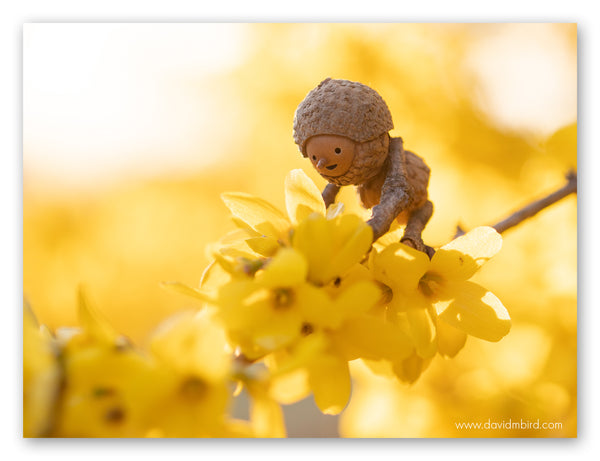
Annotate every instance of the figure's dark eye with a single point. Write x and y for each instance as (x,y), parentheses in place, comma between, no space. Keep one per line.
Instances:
(314,157)
(338,150)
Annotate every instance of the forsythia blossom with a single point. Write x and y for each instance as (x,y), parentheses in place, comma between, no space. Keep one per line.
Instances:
(433,299)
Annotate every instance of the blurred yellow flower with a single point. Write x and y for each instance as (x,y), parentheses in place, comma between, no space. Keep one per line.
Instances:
(266,415)
(103,395)
(105,381)
(189,394)
(41,376)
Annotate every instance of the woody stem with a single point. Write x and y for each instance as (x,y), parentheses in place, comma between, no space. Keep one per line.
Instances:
(535,207)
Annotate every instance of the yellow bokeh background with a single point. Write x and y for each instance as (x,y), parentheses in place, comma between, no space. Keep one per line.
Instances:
(123,238)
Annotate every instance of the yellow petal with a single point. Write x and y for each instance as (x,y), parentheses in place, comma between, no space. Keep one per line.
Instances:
(225,263)
(184,406)
(320,310)
(282,328)
(357,273)
(475,311)
(302,197)
(213,277)
(380,367)
(302,353)
(332,247)
(372,338)
(259,214)
(461,258)
(93,322)
(237,235)
(244,227)
(41,377)
(290,387)
(237,251)
(409,369)
(192,343)
(265,246)
(334,210)
(352,240)
(316,306)
(287,268)
(188,291)
(265,413)
(422,330)
(391,237)
(355,300)
(450,340)
(314,239)
(399,267)
(329,379)
(240,340)
(242,305)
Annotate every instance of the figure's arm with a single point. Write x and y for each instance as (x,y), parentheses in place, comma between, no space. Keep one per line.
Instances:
(395,192)
(329,193)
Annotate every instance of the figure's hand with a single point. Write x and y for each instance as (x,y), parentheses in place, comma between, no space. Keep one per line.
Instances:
(394,200)
(419,245)
(329,194)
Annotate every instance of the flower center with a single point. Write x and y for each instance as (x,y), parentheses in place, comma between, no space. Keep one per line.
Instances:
(193,388)
(430,284)
(306,329)
(100,392)
(283,297)
(114,415)
(251,266)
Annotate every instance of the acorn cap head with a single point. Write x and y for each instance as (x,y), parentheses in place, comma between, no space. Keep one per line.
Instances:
(343,108)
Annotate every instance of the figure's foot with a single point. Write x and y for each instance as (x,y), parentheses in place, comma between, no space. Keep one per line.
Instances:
(418,245)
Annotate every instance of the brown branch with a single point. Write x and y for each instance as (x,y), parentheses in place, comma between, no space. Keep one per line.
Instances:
(534,208)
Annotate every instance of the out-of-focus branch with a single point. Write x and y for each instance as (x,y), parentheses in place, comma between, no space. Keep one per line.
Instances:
(534,208)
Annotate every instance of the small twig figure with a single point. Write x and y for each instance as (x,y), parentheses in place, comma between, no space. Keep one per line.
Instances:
(342,127)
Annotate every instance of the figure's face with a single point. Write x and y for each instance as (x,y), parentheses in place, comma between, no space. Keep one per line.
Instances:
(331,155)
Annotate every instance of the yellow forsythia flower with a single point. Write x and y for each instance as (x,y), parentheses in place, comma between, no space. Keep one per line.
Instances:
(435,301)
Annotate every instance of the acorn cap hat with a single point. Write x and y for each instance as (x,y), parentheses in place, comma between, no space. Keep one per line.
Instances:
(343,108)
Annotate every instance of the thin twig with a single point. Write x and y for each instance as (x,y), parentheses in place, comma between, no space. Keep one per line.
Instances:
(534,208)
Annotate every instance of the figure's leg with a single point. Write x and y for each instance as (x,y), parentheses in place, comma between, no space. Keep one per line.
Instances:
(414,228)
